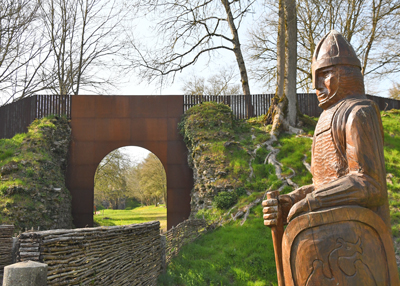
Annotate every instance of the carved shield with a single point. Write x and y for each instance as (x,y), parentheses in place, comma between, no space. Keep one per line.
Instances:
(339,246)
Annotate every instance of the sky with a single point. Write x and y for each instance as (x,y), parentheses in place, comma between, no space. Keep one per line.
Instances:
(135,153)
(224,59)
(204,68)
(134,86)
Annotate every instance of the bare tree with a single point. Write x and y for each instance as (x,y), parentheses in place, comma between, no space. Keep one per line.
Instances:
(369,25)
(20,46)
(61,46)
(291,58)
(85,37)
(217,84)
(395,91)
(189,30)
(283,111)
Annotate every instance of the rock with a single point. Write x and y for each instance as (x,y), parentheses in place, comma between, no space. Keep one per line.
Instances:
(221,174)
(231,143)
(9,168)
(389,178)
(239,214)
(27,273)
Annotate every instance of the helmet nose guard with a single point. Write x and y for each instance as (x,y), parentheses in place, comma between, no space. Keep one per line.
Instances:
(332,50)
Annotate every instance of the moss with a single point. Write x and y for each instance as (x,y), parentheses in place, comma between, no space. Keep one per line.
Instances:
(309,123)
(32,165)
(220,153)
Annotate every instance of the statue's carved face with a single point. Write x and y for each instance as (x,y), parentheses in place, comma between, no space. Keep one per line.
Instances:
(326,84)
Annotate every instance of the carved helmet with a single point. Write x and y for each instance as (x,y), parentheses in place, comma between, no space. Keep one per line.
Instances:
(333,50)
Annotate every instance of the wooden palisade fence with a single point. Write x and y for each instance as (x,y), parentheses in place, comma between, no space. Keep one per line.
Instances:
(17,116)
(308,103)
(6,241)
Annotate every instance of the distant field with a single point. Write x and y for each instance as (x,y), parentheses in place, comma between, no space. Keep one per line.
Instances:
(136,215)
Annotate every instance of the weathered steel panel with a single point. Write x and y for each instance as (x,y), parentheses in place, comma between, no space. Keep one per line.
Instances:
(101,124)
(112,129)
(149,106)
(175,147)
(112,107)
(178,206)
(83,152)
(83,128)
(79,177)
(156,129)
(175,106)
(172,129)
(84,106)
(180,177)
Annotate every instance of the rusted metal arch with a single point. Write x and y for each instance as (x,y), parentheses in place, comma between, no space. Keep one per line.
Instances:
(101,124)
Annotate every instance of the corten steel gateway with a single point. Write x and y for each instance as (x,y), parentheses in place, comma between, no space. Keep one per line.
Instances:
(101,124)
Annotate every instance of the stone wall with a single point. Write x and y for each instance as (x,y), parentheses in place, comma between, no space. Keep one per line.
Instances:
(33,191)
(114,255)
(184,233)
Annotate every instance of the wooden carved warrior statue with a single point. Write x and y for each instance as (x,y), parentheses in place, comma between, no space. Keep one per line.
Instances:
(338,229)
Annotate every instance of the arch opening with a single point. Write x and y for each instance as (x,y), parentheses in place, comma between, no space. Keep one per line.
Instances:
(130,186)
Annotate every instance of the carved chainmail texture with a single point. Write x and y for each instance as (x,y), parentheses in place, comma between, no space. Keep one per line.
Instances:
(326,164)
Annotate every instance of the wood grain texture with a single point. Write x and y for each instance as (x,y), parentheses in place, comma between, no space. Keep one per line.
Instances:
(277,233)
(347,245)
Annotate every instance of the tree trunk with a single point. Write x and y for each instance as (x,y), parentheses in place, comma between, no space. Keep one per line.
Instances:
(239,57)
(276,111)
(280,54)
(290,87)
(282,113)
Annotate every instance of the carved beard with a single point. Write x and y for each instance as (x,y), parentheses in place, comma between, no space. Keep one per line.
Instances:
(350,82)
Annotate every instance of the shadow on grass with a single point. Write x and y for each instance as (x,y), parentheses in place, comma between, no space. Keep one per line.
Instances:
(232,255)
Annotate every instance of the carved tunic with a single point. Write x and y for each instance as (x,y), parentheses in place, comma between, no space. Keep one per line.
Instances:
(326,164)
(347,163)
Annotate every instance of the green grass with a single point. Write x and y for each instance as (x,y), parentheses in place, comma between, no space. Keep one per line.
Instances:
(292,152)
(231,255)
(391,126)
(136,215)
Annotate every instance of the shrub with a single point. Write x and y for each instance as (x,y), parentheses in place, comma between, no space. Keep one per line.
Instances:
(240,191)
(225,200)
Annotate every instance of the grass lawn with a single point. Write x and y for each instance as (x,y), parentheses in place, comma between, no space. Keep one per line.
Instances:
(230,255)
(136,215)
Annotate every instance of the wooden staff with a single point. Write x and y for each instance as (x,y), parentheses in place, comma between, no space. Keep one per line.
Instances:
(277,234)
